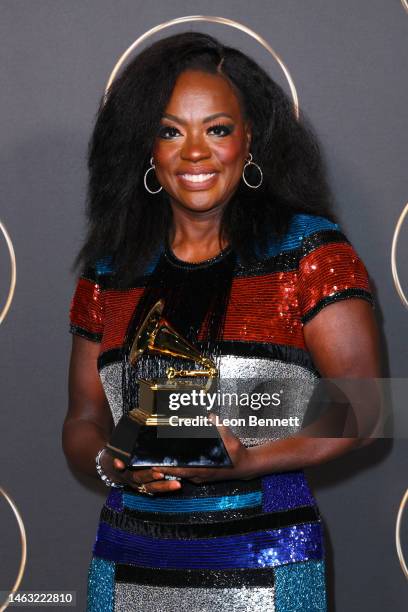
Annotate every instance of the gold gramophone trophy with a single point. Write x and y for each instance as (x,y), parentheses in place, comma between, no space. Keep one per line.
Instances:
(146,437)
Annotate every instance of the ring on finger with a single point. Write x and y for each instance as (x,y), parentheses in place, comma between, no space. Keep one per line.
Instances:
(142,489)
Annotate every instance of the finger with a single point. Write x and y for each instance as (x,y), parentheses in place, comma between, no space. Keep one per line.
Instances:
(159,470)
(201,475)
(162,486)
(144,476)
(193,474)
(179,472)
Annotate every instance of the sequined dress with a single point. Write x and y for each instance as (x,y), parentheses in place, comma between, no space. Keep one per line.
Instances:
(232,545)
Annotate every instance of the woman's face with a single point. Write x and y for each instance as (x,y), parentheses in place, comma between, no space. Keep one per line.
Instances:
(202,142)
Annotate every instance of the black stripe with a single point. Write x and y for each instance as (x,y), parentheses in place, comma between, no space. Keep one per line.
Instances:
(288,261)
(282,352)
(320,238)
(340,295)
(108,357)
(194,578)
(183,531)
(192,517)
(80,331)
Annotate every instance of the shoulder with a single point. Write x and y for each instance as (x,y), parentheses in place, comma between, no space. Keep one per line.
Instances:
(304,230)
(304,225)
(284,253)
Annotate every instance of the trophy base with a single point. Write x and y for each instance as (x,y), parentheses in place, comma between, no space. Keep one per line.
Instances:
(140,446)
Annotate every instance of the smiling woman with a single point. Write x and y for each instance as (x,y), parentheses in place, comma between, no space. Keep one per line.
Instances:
(260,279)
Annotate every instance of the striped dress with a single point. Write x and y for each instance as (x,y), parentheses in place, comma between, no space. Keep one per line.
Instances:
(233,545)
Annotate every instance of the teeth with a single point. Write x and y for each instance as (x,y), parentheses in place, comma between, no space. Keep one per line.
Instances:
(198,178)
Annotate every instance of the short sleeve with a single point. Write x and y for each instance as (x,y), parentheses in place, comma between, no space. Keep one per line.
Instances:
(87,311)
(329,270)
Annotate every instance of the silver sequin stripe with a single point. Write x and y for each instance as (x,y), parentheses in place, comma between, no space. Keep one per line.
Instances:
(111,377)
(143,598)
(254,375)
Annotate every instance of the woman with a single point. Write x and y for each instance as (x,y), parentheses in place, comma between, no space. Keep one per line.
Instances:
(206,191)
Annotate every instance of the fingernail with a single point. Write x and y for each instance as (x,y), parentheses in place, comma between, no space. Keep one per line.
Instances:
(158,475)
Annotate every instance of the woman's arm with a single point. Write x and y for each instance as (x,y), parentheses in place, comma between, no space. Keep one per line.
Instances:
(343,342)
(88,423)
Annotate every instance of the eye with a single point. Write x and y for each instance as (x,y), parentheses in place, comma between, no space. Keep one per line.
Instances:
(220,129)
(167,132)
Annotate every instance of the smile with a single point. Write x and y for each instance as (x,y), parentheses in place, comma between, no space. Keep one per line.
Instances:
(197,178)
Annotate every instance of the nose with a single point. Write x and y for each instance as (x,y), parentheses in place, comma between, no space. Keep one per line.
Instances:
(195,148)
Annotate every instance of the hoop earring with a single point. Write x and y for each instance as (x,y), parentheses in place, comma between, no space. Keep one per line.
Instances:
(152,167)
(249,162)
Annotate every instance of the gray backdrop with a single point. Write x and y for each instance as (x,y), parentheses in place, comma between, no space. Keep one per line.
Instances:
(349,62)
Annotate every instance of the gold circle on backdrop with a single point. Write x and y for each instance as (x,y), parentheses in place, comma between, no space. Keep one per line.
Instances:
(23,539)
(400,554)
(211,19)
(12,286)
(394,270)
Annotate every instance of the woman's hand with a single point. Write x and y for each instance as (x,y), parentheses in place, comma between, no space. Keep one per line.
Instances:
(238,453)
(154,481)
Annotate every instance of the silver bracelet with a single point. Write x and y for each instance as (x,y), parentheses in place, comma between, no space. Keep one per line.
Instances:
(105,479)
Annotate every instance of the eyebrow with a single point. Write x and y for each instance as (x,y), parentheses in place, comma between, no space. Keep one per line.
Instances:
(205,120)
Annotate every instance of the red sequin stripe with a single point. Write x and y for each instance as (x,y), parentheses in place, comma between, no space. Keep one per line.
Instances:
(86,309)
(119,307)
(265,309)
(261,309)
(328,270)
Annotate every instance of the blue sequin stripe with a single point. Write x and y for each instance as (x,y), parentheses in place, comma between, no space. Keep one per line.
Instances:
(300,586)
(204,504)
(101,585)
(286,490)
(301,225)
(104,265)
(268,548)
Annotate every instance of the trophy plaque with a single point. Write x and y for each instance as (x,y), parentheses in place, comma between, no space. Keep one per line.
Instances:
(143,438)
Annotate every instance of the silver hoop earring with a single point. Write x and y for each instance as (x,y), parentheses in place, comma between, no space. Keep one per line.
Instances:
(152,167)
(249,162)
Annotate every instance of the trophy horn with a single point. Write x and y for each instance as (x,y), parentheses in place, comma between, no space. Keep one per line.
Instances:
(146,332)
(157,336)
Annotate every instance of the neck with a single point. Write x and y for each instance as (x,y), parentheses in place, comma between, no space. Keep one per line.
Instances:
(195,236)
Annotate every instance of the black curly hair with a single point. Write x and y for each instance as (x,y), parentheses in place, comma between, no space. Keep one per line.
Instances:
(128,224)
